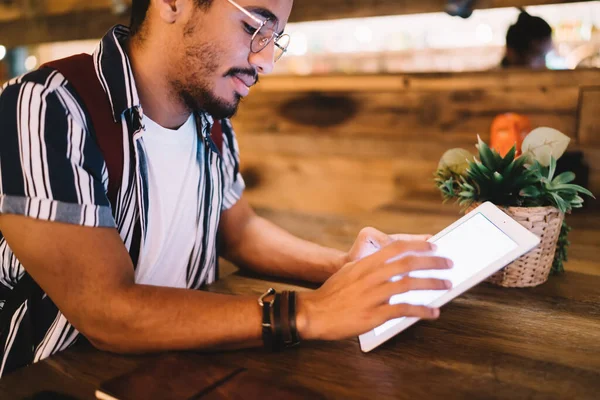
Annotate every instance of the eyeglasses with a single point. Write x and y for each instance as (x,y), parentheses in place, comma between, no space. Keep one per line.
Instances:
(266,31)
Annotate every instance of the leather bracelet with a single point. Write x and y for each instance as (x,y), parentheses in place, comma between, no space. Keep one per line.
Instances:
(279,320)
(267,333)
(276,323)
(286,334)
(292,316)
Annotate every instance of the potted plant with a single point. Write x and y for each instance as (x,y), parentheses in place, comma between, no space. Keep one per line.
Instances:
(525,187)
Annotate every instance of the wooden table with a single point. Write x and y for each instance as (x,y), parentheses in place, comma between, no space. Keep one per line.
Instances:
(491,342)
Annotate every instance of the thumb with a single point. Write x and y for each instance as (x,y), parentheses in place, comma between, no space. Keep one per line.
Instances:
(376,237)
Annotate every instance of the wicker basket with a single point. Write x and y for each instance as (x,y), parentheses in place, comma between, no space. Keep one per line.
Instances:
(533,268)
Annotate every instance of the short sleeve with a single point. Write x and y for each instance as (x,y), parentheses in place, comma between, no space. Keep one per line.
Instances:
(233,182)
(50,166)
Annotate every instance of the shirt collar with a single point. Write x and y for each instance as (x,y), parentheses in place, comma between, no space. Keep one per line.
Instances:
(116,76)
(114,71)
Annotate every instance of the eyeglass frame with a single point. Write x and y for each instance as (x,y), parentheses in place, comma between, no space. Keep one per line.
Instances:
(274,37)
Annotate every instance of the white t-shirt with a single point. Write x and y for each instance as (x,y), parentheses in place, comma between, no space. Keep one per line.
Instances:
(173,176)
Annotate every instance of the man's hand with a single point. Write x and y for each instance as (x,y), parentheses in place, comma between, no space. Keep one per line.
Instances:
(356,298)
(370,240)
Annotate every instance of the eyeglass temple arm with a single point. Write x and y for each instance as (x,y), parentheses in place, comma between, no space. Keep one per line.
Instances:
(278,45)
(242,9)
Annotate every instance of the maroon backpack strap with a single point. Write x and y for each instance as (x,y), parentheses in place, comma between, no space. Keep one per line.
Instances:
(79,70)
(216,134)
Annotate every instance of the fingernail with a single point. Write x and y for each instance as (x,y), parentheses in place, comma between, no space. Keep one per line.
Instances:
(449,263)
(433,246)
(448,284)
(435,312)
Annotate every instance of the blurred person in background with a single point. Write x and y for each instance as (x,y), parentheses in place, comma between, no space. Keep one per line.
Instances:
(528,41)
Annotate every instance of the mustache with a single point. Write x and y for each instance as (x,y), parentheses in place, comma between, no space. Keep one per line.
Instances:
(244,71)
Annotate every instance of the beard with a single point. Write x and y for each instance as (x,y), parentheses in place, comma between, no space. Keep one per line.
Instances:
(198,97)
(194,90)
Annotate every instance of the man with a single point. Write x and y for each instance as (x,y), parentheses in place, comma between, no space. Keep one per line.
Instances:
(121,275)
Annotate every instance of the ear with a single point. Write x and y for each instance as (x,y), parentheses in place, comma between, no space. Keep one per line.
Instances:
(170,10)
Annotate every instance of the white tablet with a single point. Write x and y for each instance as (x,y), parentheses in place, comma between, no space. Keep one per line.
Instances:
(479,244)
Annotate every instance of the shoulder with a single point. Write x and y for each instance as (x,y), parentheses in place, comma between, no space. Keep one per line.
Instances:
(43,78)
(36,89)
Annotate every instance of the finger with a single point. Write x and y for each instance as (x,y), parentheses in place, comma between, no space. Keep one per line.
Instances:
(398,249)
(391,311)
(407,284)
(405,265)
(409,237)
(389,254)
(376,237)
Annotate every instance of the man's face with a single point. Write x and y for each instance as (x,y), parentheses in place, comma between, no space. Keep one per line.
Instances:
(211,66)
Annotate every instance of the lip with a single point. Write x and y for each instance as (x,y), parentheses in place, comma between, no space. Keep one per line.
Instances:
(240,86)
(249,81)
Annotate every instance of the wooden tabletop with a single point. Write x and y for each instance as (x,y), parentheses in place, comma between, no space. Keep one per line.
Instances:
(491,342)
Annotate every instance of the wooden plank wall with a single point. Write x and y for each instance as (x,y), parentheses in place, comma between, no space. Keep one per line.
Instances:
(332,9)
(306,10)
(367,145)
(25,22)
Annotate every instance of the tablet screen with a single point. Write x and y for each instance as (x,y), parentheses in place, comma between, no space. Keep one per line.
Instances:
(472,246)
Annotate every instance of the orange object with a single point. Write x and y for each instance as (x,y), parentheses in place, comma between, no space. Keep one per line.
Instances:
(508,129)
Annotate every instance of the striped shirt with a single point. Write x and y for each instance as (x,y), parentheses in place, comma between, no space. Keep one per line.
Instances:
(52,169)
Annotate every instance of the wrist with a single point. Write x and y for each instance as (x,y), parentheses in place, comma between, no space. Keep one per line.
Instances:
(340,259)
(304,316)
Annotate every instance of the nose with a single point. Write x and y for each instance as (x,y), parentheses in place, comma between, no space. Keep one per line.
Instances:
(264,60)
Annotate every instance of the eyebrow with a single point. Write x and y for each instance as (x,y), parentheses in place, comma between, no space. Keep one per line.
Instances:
(263,12)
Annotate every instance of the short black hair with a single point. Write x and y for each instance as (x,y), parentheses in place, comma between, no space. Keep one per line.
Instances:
(139,8)
(527,30)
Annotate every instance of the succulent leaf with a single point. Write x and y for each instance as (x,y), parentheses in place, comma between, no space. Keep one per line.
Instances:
(565,177)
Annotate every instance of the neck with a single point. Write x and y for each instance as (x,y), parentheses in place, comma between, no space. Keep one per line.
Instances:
(159,101)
